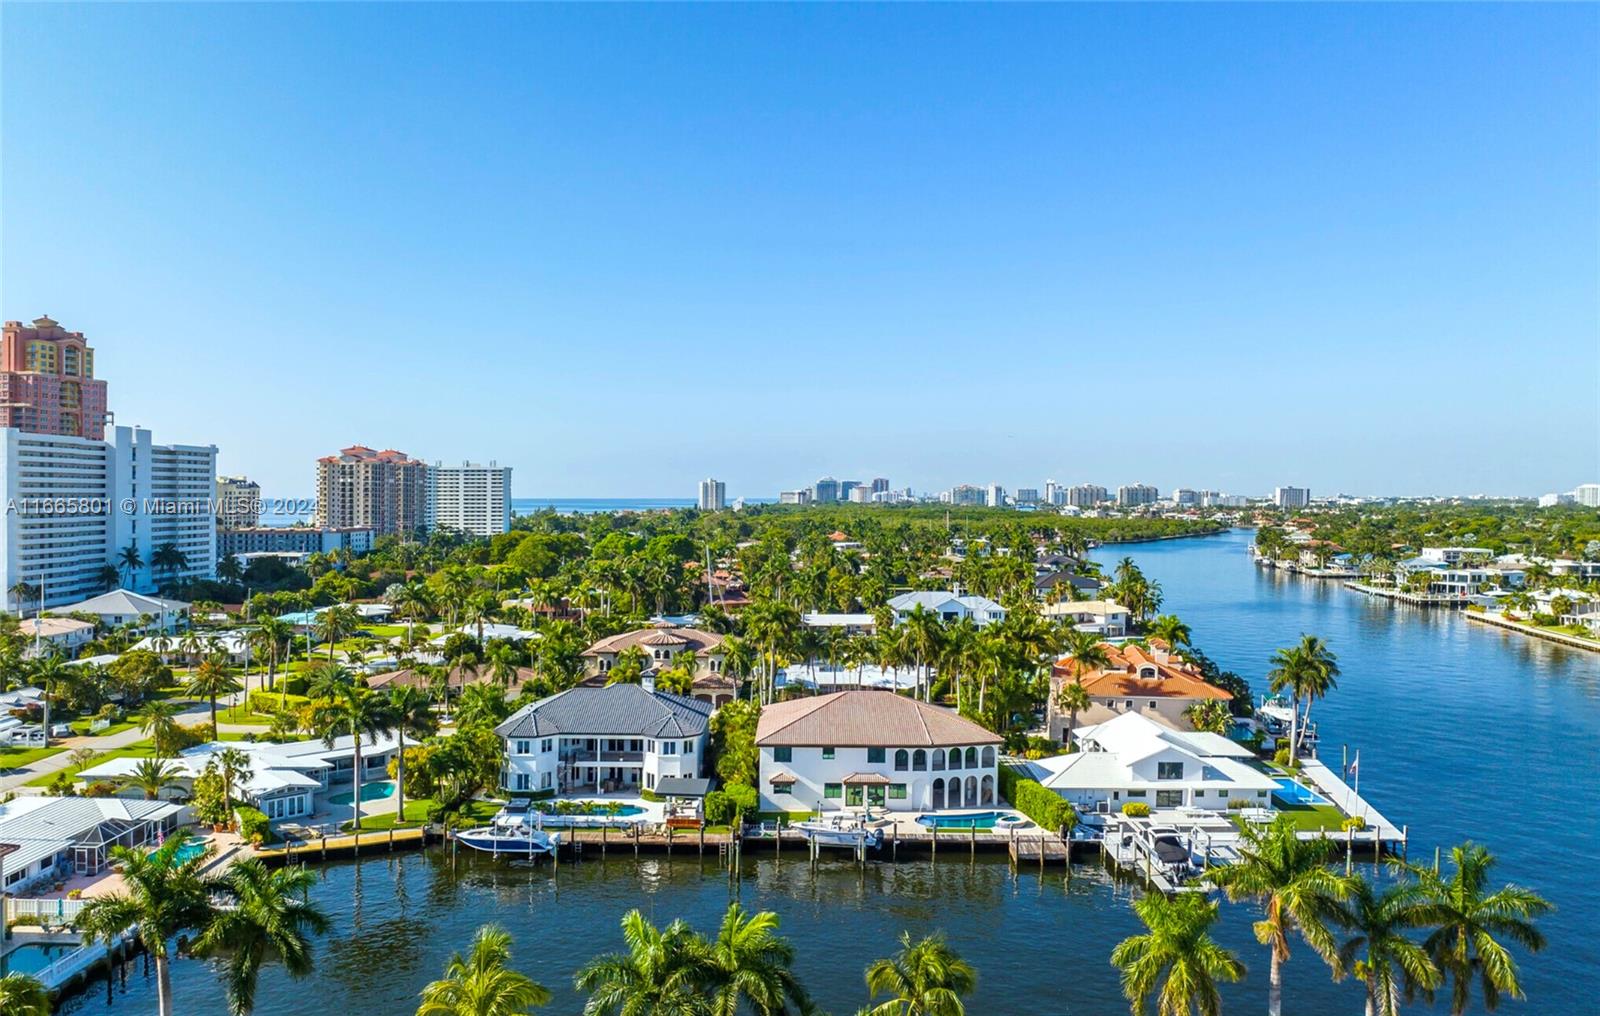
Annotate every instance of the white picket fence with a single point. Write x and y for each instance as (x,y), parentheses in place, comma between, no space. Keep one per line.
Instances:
(58,911)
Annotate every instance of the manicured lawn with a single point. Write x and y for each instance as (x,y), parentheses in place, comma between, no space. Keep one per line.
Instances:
(417,814)
(789,817)
(82,727)
(242,714)
(16,758)
(1312,817)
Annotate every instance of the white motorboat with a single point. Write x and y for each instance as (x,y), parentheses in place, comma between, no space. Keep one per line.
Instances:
(839,832)
(515,830)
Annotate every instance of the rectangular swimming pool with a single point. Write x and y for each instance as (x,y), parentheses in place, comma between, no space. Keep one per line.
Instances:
(1291,792)
(32,957)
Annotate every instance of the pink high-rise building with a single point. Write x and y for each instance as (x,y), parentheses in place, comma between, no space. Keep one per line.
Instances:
(47,382)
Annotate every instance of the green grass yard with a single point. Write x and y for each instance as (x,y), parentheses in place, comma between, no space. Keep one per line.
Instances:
(16,758)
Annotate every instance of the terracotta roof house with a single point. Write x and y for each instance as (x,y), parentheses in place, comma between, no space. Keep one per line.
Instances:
(873,749)
(1154,682)
(662,644)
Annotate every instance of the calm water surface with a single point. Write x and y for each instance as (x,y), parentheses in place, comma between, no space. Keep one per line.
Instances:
(1463,731)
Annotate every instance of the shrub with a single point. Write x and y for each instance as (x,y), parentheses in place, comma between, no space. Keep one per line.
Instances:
(743,796)
(1045,807)
(1238,803)
(1545,620)
(651,796)
(269,702)
(1355,822)
(718,808)
(100,788)
(1136,809)
(1282,757)
(254,825)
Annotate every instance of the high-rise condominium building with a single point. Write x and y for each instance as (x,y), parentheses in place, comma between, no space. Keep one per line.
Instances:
(713,495)
(1588,494)
(1027,495)
(880,485)
(966,494)
(359,488)
(995,496)
(1086,495)
(1185,497)
(1054,490)
(825,490)
(93,514)
(801,496)
(1135,494)
(47,382)
(1290,498)
(859,495)
(238,502)
(469,498)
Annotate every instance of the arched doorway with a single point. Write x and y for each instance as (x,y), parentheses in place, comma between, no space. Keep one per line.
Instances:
(938,795)
(988,790)
(954,798)
(972,791)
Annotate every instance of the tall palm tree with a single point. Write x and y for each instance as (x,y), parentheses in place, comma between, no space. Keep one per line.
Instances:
(920,635)
(410,712)
(129,561)
(659,975)
(108,575)
(270,917)
(1072,699)
(1176,959)
(1083,652)
(170,559)
(1171,629)
(335,624)
(1389,963)
(482,983)
(357,711)
(924,978)
(22,995)
(212,678)
(750,966)
(1473,923)
(1297,890)
(271,639)
(160,724)
(232,765)
(1307,671)
(23,593)
(161,898)
(152,776)
(50,673)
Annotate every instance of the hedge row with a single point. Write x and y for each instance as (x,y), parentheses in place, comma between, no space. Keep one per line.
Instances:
(275,702)
(1045,807)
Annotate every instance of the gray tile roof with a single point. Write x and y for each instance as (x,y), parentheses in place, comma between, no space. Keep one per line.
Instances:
(618,710)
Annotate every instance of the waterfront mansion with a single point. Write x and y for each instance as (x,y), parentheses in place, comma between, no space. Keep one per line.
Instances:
(876,749)
(1153,682)
(618,738)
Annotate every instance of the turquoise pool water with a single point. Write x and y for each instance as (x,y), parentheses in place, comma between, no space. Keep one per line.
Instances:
(591,808)
(1296,793)
(369,792)
(968,820)
(31,958)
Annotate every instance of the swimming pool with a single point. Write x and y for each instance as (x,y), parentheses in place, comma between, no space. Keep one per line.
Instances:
(189,851)
(369,792)
(970,820)
(1296,793)
(32,958)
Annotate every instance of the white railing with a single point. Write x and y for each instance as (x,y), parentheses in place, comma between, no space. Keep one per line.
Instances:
(63,969)
(65,911)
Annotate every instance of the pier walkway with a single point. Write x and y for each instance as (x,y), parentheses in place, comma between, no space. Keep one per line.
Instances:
(1340,794)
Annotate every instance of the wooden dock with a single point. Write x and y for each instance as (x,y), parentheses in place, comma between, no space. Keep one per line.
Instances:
(1040,850)
(349,845)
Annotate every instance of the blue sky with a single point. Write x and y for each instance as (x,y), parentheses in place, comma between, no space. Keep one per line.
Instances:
(622,248)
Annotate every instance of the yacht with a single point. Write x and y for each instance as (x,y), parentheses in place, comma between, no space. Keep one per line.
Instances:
(840,831)
(515,829)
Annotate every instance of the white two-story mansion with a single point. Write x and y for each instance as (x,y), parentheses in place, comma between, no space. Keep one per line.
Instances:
(947,607)
(876,749)
(1133,758)
(615,738)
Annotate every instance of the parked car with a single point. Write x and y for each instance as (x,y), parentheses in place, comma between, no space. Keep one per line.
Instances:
(60,730)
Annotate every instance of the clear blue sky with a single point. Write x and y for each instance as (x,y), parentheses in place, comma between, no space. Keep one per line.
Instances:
(622,248)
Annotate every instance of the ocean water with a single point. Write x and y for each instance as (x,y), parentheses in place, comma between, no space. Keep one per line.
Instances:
(1464,731)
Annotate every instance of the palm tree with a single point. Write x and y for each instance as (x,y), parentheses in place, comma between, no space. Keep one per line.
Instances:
(410,712)
(212,678)
(482,983)
(232,763)
(229,569)
(919,637)
(21,995)
(109,576)
(1388,962)
(1307,671)
(1472,922)
(1171,629)
(271,639)
(750,964)
(271,917)
(659,974)
(924,978)
(1298,892)
(170,559)
(23,593)
(161,898)
(153,775)
(1176,960)
(50,673)
(360,712)
(1210,715)
(335,623)
(1072,699)
(160,723)
(410,600)
(129,561)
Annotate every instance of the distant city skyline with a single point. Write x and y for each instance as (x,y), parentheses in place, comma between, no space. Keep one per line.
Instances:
(624,248)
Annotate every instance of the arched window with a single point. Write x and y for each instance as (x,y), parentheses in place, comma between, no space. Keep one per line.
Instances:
(902,758)
(988,758)
(953,799)
(938,794)
(919,761)
(972,790)
(988,790)
(972,758)
(955,758)
(938,761)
